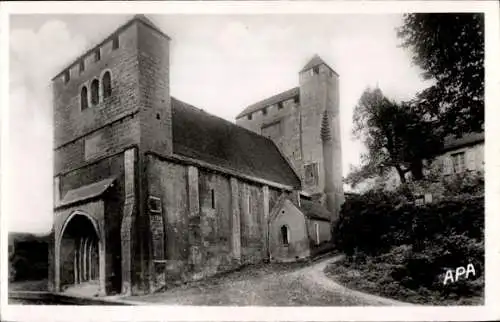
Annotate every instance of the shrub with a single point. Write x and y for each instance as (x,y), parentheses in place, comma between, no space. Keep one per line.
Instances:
(415,244)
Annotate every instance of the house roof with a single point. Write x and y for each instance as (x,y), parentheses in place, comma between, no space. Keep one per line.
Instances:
(283,96)
(314,210)
(316,61)
(202,136)
(451,143)
(86,192)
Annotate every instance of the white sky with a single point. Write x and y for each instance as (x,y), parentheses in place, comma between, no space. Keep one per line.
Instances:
(219,63)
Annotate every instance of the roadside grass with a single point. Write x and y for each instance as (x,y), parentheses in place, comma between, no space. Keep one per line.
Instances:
(376,279)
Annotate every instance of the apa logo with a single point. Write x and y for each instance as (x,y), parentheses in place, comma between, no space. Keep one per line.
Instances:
(459,271)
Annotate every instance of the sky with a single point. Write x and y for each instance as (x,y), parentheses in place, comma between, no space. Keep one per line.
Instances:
(220,63)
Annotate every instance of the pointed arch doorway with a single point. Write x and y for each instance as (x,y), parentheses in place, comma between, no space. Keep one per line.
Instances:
(79,256)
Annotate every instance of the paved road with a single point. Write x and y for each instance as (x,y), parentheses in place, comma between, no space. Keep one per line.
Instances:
(301,286)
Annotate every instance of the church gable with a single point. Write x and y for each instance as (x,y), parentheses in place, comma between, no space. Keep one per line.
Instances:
(288,240)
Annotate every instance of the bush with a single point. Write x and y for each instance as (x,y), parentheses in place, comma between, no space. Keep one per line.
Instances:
(415,244)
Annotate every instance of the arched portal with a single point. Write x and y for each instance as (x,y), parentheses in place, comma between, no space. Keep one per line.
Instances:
(79,254)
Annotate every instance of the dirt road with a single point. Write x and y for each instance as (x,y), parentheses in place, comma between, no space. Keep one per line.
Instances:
(263,287)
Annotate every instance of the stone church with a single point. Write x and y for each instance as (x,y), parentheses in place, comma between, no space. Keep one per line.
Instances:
(150,190)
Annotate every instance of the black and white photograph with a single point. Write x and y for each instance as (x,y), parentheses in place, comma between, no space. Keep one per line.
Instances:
(237,158)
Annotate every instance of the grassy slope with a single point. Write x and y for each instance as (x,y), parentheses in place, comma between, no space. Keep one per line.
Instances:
(377,280)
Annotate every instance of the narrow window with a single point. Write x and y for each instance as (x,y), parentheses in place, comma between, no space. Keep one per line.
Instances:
(458,160)
(97,54)
(296,99)
(94,91)
(106,85)
(82,66)
(316,70)
(316,226)
(84,103)
(66,76)
(311,174)
(116,42)
(249,116)
(264,111)
(213,198)
(284,235)
(280,105)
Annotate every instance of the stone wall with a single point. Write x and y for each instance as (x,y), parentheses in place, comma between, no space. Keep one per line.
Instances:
(212,222)
(72,124)
(298,241)
(154,91)
(324,231)
(281,123)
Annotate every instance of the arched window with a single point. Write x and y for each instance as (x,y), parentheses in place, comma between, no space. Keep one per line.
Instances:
(94,91)
(84,100)
(284,235)
(106,85)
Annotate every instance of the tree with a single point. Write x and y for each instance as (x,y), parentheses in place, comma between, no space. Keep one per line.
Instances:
(449,47)
(395,135)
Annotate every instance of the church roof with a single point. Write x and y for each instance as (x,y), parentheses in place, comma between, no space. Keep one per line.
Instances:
(283,96)
(86,192)
(314,210)
(316,61)
(200,135)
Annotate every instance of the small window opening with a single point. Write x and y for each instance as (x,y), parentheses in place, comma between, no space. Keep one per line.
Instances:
(157,116)
(285,238)
(296,99)
(264,111)
(280,105)
(84,103)
(97,54)
(106,85)
(316,70)
(316,226)
(154,204)
(249,116)
(212,192)
(82,66)
(94,91)
(116,42)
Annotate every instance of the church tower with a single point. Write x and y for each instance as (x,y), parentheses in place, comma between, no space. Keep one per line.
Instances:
(304,123)
(320,133)
(111,106)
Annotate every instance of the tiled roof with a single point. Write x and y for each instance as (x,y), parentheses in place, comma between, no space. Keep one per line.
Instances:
(202,136)
(86,192)
(283,96)
(314,210)
(451,143)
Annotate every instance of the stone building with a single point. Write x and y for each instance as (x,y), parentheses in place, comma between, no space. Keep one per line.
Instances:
(304,123)
(150,190)
(458,156)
